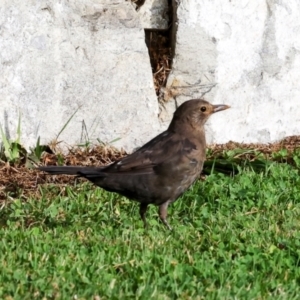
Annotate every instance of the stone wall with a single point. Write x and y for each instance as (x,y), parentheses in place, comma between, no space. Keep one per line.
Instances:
(59,57)
(245,53)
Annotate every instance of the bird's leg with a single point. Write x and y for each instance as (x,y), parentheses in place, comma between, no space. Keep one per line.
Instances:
(143,210)
(163,213)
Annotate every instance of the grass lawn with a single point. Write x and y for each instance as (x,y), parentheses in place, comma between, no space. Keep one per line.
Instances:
(234,238)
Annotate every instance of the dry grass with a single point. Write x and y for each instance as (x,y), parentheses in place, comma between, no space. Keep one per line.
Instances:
(290,143)
(19,181)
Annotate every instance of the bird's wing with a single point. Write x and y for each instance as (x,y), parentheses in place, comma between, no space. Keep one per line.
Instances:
(163,149)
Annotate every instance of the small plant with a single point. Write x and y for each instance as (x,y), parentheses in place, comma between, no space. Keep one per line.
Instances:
(109,143)
(66,124)
(85,133)
(53,144)
(35,155)
(296,158)
(86,145)
(12,151)
(38,150)
(60,159)
(280,156)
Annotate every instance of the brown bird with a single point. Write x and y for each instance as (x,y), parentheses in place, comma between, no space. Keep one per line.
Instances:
(163,169)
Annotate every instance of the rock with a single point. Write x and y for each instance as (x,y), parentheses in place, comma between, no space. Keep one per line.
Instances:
(85,59)
(242,53)
(154,14)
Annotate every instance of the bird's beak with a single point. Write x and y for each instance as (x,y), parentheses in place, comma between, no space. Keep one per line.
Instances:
(219,107)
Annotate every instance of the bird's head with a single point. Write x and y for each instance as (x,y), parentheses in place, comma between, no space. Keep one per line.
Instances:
(195,113)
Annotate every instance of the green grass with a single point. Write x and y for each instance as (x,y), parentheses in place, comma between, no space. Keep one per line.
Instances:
(234,238)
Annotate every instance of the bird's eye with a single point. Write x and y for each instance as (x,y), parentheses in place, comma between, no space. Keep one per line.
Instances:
(203,108)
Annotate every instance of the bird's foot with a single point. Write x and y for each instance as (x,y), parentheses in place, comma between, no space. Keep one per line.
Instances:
(163,214)
(166,224)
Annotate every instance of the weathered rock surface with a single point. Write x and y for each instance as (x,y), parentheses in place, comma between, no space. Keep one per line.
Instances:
(154,14)
(243,53)
(88,57)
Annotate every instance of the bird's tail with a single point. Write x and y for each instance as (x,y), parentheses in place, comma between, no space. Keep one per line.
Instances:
(71,170)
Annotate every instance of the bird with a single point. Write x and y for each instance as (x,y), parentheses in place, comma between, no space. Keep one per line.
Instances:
(163,169)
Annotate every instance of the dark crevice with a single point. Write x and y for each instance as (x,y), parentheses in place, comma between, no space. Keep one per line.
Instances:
(160,52)
(173,30)
(160,44)
(138,3)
